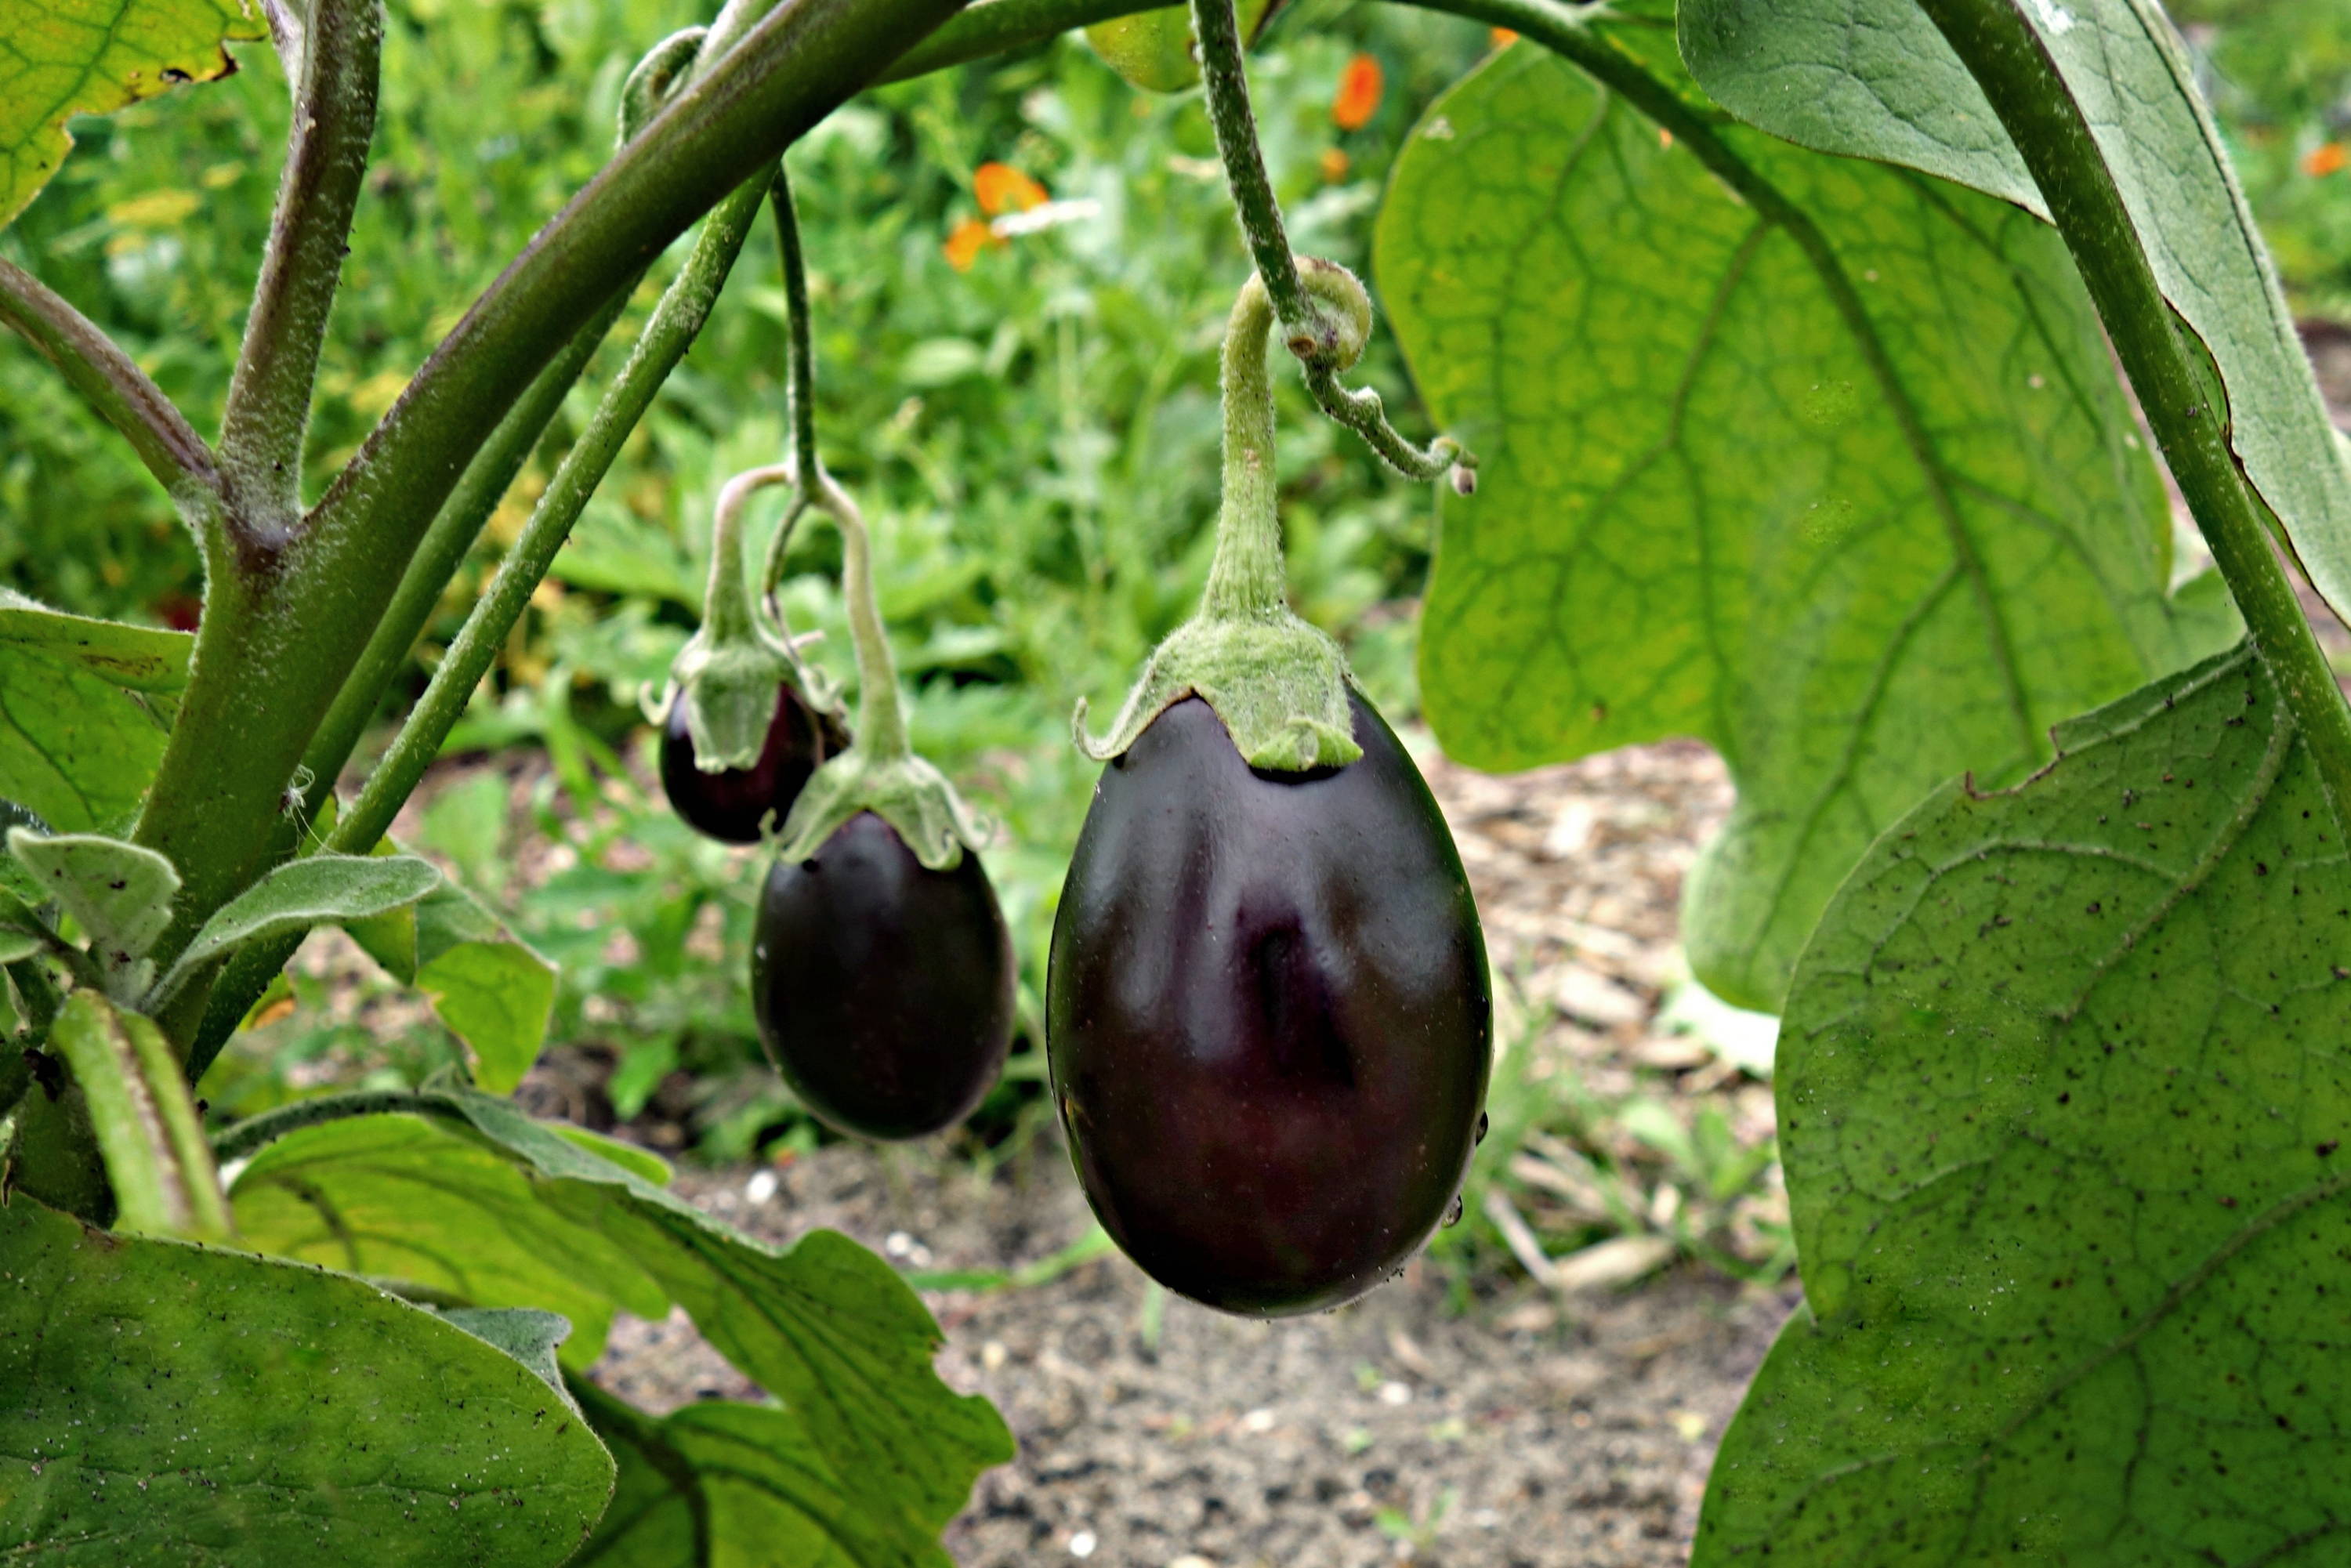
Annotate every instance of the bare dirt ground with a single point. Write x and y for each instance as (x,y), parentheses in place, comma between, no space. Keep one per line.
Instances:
(1533,1429)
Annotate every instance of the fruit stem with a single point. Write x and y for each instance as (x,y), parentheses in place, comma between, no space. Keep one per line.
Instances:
(799,385)
(727,613)
(1246,579)
(1324,342)
(881,718)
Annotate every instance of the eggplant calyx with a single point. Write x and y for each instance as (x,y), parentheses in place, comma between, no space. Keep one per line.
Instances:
(1277,683)
(728,672)
(904,790)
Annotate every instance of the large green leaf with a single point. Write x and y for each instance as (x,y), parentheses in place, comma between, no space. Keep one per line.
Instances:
(1874,78)
(2063,1105)
(63,57)
(85,704)
(826,1326)
(173,1404)
(721,1485)
(1821,462)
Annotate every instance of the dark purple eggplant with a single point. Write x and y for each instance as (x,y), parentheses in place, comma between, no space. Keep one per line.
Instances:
(730,804)
(882,989)
(1268,1016)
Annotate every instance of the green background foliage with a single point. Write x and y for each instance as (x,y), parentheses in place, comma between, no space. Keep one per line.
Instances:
(1828,469)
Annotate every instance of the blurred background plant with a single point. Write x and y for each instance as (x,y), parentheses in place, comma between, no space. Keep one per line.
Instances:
(1020,271)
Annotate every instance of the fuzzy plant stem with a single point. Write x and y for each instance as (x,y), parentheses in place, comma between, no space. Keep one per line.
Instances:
(111,382)
(727,613)
(684,308)
(2010,62)
(1314,335)
(1246,579)
(267,411)
(881,717)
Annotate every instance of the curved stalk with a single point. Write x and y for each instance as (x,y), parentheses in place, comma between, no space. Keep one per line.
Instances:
(727,613)
(880,714)
(94,365)
(2009,61)
(1316,337)
(268,409)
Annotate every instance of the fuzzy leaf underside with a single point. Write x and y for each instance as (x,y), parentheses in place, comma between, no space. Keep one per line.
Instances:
(2063,1105)
(85,706)
(169,1404)
(1831,471)
(484,1202)
(1874,78)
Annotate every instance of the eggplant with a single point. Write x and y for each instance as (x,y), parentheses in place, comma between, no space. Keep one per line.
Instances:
(1269,1021)
(731,804)
(883,990)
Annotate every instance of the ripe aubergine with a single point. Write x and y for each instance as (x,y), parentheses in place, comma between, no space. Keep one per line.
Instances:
(882,989)
(730,804)
(1267,1014)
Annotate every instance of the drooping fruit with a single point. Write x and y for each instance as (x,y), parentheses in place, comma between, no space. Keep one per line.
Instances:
(1152,49)
(730,804)
(884,989)
(1268,1015)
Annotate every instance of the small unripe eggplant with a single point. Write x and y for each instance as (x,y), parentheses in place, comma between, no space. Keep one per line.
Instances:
(884,989)
(1268,1015)
(729,805)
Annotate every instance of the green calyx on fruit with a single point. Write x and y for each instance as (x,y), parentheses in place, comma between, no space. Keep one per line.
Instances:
(727,676)
(880,771)
(1155,50)
(1279,683)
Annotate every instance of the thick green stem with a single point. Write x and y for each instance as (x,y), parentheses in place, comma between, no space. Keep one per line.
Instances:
(254,1134)
(1246,579)
(881,717)
(2027,91)
(267,411)
(684,308)
(278,645)
(122,393)
(443,551)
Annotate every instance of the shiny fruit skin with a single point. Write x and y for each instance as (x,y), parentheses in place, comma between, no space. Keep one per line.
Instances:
(729,805)
(882,989)
(1267,1016)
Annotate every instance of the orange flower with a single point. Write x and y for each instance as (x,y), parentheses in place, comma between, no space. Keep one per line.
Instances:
(1502,37)
(1002,188)
(1359,93)
(970,237)
(1334,164)
(2326,159)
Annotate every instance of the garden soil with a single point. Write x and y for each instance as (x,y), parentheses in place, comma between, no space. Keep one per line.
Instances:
(1503,1425)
